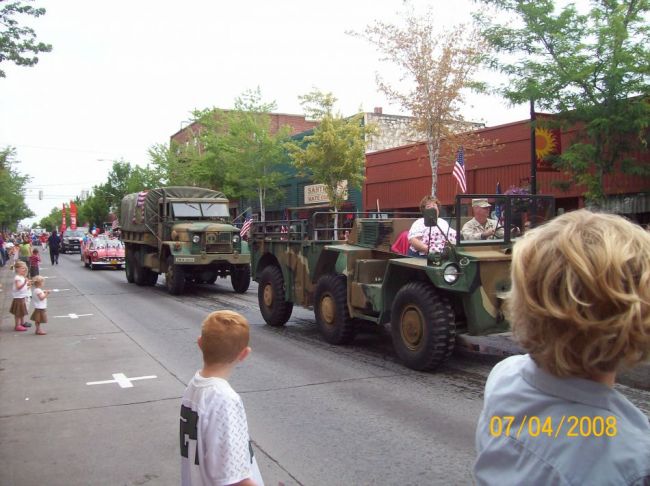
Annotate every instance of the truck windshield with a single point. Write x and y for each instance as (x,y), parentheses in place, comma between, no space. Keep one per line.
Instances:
(215,210)
(200,210)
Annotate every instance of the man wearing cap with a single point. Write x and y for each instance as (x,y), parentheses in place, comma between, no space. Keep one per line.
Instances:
(481,227)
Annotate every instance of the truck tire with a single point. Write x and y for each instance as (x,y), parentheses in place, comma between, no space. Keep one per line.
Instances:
(128,267)
(275,309)
(423,326)
(139,272)
(174,277)
(331,310)
(240,278)
(151,277)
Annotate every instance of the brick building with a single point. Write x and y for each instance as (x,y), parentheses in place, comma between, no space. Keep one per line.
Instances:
(298,124)
(398,178)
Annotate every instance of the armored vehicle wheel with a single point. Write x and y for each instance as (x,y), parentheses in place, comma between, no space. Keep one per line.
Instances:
(240,278)
(174,277)
(270,295)
(128,268)
(423,327)
(331,310)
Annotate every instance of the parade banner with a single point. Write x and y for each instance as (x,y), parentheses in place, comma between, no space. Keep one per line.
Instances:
(73,216)
(63,225)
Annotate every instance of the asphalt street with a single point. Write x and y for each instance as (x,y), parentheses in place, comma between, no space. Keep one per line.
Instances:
(96,400)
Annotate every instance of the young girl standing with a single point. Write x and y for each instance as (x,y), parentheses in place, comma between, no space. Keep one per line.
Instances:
(20,294)
(39,299)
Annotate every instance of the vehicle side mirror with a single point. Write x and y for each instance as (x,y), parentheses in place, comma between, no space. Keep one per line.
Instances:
(430,217)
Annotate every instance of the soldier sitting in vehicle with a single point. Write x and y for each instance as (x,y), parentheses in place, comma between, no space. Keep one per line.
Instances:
(481,227)
(422,239)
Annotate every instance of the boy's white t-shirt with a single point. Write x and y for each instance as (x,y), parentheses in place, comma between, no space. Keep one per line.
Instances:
(214,440)
(20,293)
(36,299)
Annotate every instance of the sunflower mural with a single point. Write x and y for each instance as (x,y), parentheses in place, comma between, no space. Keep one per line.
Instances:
(547,144)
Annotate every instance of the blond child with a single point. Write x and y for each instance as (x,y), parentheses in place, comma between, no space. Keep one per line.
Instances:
(20,292)
(39,299)
(215,446)
(580,306)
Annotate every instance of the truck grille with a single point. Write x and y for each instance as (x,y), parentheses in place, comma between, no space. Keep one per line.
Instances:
(218,242)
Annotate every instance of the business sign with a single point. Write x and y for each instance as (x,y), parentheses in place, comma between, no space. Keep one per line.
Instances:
(316,193)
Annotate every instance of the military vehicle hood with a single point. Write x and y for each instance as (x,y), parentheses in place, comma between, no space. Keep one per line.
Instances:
(204,227)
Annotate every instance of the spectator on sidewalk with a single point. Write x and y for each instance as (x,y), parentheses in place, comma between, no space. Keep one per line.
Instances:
(34,263)
(25,250)
(39,299)
(54,241)
(20,292)
(580,306)
(215,446)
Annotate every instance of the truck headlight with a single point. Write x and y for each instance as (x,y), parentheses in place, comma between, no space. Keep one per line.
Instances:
(450,274)
(196,239)
(235,239)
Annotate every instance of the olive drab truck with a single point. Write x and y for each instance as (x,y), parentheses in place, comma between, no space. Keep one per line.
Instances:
(185,233)
(426,302)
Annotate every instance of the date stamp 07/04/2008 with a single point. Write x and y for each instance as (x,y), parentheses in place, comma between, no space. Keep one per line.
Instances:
(566,425)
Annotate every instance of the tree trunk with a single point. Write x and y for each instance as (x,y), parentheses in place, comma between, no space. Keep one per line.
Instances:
(336,223)
(260,192)
(434,154)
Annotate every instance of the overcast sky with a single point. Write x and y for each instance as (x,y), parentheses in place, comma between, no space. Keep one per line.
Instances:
(124,75)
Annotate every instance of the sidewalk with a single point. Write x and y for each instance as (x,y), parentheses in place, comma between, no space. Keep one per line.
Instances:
(55,429)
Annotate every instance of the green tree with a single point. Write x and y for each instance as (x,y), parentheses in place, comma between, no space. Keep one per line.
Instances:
(105,198)
(52,220)
(335,152)
(591,69)
(13,207)
(241,154)
(436,71)
(173,164)
(18,43)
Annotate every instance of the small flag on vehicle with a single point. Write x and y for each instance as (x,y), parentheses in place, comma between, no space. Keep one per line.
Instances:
(245,229)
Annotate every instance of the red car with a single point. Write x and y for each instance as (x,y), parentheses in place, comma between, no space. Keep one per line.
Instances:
(102,252)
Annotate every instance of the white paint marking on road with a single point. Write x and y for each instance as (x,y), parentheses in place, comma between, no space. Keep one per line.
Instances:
(122,380)
(75,316)
(59,290)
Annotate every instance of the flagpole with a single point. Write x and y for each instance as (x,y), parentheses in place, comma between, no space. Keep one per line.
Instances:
(533,149)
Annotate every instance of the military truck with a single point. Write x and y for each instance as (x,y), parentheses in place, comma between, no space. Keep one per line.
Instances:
(426,301)
(185,233)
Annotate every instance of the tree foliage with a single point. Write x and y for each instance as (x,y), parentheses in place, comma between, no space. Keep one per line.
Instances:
(240,154)
(436,70)
(335,152)
(13,207)
(124,178)
(18,43)
(591,68)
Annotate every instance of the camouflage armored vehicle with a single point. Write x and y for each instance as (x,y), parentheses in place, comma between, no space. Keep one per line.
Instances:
(185,233)
(426,301)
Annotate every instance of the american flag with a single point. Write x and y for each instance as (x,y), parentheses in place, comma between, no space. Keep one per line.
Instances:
(459,170)
(245,229)
(141,197)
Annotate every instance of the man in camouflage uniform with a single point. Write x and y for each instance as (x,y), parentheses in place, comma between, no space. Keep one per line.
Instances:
(481,227)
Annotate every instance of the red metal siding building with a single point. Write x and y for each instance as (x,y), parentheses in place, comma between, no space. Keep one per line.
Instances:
(398,178)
